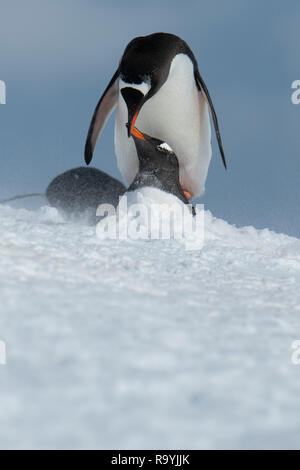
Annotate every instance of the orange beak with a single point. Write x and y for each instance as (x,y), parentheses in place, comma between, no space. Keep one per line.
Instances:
(133,121)
(136,132)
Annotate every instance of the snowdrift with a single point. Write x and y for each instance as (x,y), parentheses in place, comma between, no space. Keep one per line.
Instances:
(122,344)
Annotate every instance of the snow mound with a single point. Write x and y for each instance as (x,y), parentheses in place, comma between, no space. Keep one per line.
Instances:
(152,214)
(145,344)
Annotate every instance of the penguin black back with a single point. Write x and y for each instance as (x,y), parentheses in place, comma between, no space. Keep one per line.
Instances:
(152,56)
(82,189)
(78,192)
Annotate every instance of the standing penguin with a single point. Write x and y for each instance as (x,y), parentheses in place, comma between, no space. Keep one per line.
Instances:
(158,88)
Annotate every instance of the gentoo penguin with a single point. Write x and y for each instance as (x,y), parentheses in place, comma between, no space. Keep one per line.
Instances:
(158,166)
(82,189)
(78,192)
(158,88)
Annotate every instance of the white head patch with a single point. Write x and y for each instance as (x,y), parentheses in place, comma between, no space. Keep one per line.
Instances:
(165,146)
(144,87)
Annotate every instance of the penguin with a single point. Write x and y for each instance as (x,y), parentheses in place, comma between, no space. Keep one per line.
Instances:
(158,88)
(158,166)
(79,191)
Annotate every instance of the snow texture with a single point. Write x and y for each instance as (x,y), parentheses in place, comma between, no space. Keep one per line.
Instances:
(152,214)
(144,344)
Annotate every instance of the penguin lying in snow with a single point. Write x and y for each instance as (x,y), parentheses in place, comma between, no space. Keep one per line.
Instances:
(79,191)
(82,190)
(158,87)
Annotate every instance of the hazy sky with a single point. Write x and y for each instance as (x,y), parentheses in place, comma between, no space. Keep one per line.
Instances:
(56,58)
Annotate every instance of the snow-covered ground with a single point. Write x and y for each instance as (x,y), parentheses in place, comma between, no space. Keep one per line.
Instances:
(143,344)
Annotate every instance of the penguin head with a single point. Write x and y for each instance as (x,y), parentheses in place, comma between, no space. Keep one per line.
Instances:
(144,68)
(158,165)
(155,154)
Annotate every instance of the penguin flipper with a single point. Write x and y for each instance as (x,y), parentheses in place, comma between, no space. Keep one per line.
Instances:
(203,89)
(102,112)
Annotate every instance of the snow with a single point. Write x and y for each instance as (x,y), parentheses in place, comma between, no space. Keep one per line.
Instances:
(144,344)
(152,214)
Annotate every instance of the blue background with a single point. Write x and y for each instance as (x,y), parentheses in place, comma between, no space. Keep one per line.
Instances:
(56,58)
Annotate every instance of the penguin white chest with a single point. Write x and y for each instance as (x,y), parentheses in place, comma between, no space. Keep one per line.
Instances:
(176,114)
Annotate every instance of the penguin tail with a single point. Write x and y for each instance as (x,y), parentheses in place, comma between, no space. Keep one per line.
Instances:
(21,196)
